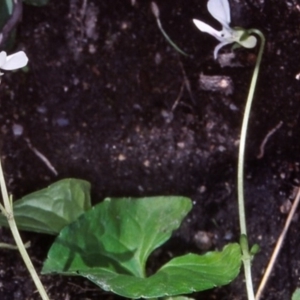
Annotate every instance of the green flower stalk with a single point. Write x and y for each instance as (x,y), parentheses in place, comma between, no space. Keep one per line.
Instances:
(219,9)
(13,62)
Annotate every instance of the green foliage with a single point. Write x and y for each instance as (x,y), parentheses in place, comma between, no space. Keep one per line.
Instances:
(296,295)
(5,11)
(52,208)
(6,8)
(110,245)
(36,2)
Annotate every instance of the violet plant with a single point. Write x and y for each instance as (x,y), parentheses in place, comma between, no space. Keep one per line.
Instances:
(9,63)
(124,232)
(122,235)
(220,10)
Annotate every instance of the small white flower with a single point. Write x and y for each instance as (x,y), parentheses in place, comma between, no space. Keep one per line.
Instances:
(219,9)
(12,62)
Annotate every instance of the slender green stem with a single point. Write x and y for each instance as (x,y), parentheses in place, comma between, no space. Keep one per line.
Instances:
(246,257)
(169,39)
(241,158)
(155,11)
(8,211)
(241,166)
(12,247)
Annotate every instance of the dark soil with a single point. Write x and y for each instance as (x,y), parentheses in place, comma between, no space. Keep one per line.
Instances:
(99,101)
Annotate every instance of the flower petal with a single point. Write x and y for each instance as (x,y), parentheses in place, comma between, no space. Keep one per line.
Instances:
(2,58)
(219,46)
(15,61)
(206,28)
(220,10)
(250,42)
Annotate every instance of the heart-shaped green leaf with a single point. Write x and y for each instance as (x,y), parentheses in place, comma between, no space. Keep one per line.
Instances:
(117,234)
(52,208)
(296,295)
(110,245)
(182,275)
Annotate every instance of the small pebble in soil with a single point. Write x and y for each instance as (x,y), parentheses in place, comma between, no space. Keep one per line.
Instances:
(285,207)
(233,107)
(146,163)
(202,189)
(228,236)
(41,109)
(181,145)
(228,60)
(203,240)
(92,49)
(220,84)
(62,122)
(121,157)
(157,58)
(168,116)
(221,148)
(17,129)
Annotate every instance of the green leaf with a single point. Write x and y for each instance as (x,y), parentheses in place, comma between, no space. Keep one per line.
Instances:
(296,295)
(178,298)
(182,275)
(120,232)
(52,208)
(110,245)
(36,2)
(5,12)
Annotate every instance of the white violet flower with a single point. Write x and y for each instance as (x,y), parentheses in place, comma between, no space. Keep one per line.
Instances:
(219,9)
(12,62)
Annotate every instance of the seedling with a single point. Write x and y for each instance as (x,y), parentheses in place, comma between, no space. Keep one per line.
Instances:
(13,62)
(219,9)
(155,11)
(111,242)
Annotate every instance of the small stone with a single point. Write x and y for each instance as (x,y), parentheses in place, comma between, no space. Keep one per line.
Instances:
(221,148)
(92,49)
(181,145)
(17,129)
(41,109)
(146,163)
(202,189)
(286,207)
(219,84)
(203,240)
(121,157)
(228,235)
(62,122)
(158,58)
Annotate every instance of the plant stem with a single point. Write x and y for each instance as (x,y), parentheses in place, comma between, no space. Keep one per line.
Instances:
(241,163)
(12,247)
(8,211)
(241,158)
(278,246)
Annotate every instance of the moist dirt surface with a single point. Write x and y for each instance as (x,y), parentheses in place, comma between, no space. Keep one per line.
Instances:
(108,100)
